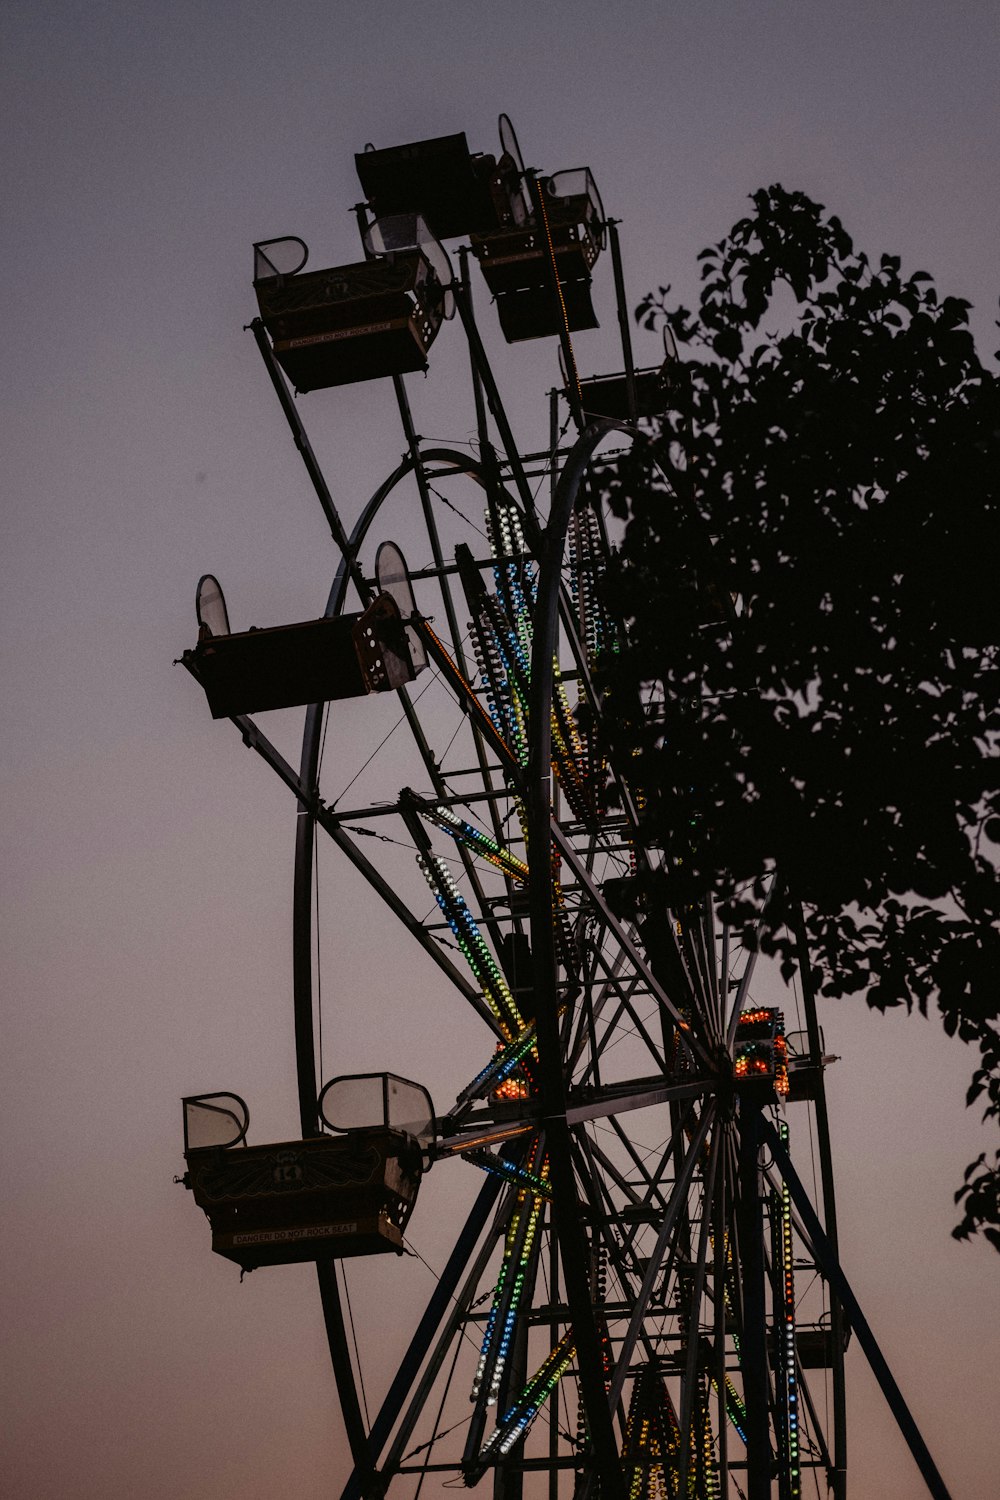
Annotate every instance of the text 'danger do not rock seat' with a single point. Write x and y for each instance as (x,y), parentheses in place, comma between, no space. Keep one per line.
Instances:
(373,318)
(332,1196)
(313,661)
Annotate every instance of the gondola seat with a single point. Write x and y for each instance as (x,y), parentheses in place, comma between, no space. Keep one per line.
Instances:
(307,1200)
(314,661)
(362,321)
(607,395)
(517,266)
(456,191)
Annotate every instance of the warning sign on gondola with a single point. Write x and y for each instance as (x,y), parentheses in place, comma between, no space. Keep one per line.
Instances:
(288,1236)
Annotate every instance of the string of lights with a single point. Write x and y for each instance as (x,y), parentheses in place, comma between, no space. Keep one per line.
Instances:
(784,1330)
(518,1420)
(475,839)
(514,1271)
(487,972)
(501,1066)
(761,1051)
(652,1439)
(509,1171)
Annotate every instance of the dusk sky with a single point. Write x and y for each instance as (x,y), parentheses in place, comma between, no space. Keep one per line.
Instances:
(147,874)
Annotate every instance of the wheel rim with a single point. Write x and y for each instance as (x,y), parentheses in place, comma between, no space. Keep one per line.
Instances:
(590,1232)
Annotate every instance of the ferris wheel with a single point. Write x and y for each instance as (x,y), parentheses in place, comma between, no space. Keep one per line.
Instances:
(643,1299)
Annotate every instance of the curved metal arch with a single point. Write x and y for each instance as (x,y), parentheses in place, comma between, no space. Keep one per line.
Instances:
(302,928)
(305,836)
(302,941)
(572,1243)
(302,901)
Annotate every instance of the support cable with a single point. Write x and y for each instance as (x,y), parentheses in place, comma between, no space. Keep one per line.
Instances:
(354,1340)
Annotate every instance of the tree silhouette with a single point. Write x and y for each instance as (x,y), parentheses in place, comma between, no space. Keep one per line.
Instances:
(809,683)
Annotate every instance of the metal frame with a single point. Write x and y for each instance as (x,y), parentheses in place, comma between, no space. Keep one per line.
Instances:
(712,1234)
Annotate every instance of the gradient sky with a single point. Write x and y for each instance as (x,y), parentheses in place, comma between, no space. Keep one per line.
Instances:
(148,857)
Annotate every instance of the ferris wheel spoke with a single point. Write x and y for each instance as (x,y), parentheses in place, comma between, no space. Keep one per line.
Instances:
(676,1205)
(834,1272)
(620,1254)
(711,962)
(733,1281)
(409,920)
(467,697)
(612,1031)
(628,1268)
(721,1233)
(631,1212)
(305,449)
(750,962)
(595,999)
(693,1376)
(500,1371)
(490,389)
(331,824)
(603,912)
(651,1182)
(815,1433)
(701,969)
(684,1114)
